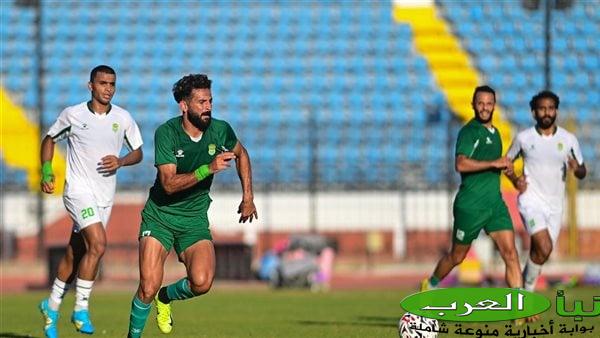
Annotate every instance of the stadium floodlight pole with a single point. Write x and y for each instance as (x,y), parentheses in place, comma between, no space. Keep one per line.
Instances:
(39,58)
(313,135)
(39,53)
(549,5)
(548,42)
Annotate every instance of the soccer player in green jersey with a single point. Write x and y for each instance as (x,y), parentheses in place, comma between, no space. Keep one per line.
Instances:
(189,150)
(478,204)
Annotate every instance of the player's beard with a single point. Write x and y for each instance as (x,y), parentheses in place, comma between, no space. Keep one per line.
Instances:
(197,121)
(545,122)
(482,121)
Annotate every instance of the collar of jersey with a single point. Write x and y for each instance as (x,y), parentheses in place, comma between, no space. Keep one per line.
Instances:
(543,135)
(480,125)
(89,107)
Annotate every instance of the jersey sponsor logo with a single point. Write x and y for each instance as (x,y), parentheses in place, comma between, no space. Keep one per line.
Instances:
(488,140)
(84,126)
(179,153)
(212,149)
(115,127)
(460,235)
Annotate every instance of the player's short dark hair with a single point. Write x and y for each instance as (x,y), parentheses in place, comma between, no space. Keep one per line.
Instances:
(182,89)
(484,89)
(101,69)
(544,94)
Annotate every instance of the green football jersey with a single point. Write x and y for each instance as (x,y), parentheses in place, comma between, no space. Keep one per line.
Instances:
(479,190)
(173,145)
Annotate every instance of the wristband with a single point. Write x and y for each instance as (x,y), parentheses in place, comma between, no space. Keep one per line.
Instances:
(47,172)
(202,172)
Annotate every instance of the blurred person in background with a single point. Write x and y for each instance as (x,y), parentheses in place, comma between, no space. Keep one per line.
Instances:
(548,152)
(478,204)
(189,150)
(95,131)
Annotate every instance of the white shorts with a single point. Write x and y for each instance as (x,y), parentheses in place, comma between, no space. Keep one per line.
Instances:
(537,218)
(84,211)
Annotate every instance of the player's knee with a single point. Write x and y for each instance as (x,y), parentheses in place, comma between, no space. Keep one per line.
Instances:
(509,254)
(201,284)
(97,248)
(148,290)
(542,253)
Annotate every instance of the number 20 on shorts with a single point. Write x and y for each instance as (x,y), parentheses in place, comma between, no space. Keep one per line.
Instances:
(87,212)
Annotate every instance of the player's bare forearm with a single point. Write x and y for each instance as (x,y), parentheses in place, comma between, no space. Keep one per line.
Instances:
(46,155)
(109,164)
(247,209)
(179,182)
(468,165)
(512,176)
(134,157)
(47,149)
(580,172)
(244,170)
(173,182)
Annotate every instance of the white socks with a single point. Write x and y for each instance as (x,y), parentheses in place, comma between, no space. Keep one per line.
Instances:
(59,288)
(83,290)
(530,275)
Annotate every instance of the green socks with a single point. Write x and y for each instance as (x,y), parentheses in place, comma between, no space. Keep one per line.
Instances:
(179,290)
(138,316)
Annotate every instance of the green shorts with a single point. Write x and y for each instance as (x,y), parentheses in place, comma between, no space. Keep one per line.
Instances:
(469,222)
(174,231)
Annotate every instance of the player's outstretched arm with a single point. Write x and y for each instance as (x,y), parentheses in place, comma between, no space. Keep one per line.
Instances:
(247,209)
(464,164)
(46,155)
(110,163)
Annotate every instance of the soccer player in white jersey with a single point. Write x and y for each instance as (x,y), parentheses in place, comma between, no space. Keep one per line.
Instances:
(548,152)
(95,131)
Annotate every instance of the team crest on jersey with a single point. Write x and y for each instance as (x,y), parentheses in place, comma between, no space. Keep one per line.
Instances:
(115,127)
(488,140)
(560,146)
(179,153)
(212,149)
(84,126)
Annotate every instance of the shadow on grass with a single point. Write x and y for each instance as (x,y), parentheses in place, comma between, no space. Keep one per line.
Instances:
(368,321)
(14,335)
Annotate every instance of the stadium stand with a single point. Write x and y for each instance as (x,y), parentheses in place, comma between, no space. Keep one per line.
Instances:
(335,80)
(507,44)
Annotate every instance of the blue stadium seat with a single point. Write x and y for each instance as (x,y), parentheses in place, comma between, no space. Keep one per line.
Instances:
(351,66)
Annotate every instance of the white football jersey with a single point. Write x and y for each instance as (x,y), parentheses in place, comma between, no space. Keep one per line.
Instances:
(90,137)
(545,164)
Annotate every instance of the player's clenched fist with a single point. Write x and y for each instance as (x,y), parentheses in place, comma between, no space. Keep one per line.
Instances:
(503,163)
(48,185)
(521,184)
(221,162)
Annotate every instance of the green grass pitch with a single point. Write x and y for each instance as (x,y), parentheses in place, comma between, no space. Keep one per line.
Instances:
(252,312)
